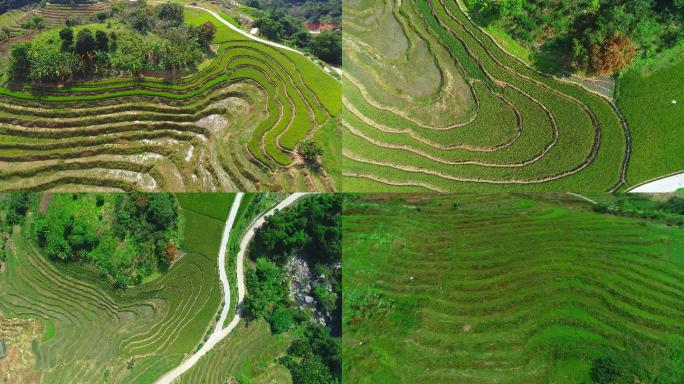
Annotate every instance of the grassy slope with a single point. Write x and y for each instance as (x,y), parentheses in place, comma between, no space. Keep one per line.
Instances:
(419,164)
(655,123)
(655,134)
(509,289)
(330,140)
(248,354)
(214,205)
(154,325)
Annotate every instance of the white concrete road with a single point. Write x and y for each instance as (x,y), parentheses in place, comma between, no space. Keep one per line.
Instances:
(267,42)
(215,337)
(220,331)
(240,31)
(663,185)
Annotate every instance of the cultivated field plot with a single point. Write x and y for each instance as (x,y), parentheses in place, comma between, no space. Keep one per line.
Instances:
(433,103)
(96,334)
(234,124)
(248,354)
(508,289)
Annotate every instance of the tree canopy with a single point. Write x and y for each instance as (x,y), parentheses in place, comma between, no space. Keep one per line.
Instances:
(155,39)
(595,36)
(310,230)
(128,239)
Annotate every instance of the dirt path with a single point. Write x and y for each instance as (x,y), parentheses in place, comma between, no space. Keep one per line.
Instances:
(583,197)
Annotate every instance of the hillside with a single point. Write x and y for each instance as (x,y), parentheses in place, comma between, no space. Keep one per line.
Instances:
(435,102)
(509,289)
(232,120)
(96,333)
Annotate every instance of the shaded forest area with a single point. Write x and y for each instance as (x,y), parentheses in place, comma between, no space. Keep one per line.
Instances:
(308,231)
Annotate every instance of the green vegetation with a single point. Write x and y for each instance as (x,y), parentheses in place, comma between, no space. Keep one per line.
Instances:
(592,36)
(508,288)
(133,335)
(233,124)
(309,10)
(215,205)
(249,355)
(310,151)
(125,236)
(652,101)
(442,107)
(14,206)
(669,211)
(7,5)
(283,22)
(137,38)
(309,230)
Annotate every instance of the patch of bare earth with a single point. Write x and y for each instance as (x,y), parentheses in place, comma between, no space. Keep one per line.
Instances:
(44,202)
(18,363)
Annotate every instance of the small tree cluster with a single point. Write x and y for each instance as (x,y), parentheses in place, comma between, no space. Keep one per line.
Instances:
(309,150)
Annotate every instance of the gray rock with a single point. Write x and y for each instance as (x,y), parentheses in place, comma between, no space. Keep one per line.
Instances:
(3,349)
(308,299)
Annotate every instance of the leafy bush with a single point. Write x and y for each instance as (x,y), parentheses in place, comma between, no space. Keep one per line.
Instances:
(365,302)
(674,204)
(280,320)
(17,206)
(267,286)
(600,208)
(314,357)
(309,150)
(325,298)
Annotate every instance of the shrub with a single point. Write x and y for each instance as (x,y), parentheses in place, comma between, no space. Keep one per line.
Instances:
(170,12)
(101,41)
(280,320)
(21,64)
(309,150)
(600,208)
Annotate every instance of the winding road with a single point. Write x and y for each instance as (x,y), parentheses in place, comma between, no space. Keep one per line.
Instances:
(250,36)
(220,332)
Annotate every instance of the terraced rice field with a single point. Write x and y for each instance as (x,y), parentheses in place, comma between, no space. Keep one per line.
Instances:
(433,103)
(57,14)
(96,334)
(232,125)
(247,354)
(658,139)
(508,289)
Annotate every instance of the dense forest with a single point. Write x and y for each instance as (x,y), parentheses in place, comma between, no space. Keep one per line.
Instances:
(127,237)
(130,38)
(591,36)
(310,230)
(284,22)
(325,11)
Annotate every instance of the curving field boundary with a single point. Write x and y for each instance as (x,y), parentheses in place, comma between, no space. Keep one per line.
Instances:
(524,129)
(233,125)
